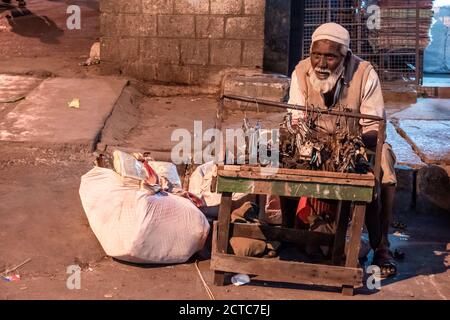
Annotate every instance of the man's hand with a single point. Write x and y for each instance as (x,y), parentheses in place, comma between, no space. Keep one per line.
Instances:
(370,139)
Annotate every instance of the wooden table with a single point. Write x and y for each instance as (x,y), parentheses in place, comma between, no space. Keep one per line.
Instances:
(356,188)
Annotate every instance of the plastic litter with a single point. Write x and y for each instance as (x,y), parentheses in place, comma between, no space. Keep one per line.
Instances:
(8,271)
(94,55)
(128,167)
(401,235)
(167,170)
(12,278)
(75,103)
(240,279)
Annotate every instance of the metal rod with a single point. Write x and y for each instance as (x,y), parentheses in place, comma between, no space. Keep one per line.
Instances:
(285,106)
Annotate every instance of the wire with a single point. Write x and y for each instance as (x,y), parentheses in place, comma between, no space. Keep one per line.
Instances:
(205,285)
(5,272)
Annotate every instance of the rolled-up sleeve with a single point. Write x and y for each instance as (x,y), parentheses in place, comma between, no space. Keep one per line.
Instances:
(296,97)
(372,102)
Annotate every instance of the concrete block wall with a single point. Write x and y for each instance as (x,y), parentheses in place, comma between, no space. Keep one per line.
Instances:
(181,41)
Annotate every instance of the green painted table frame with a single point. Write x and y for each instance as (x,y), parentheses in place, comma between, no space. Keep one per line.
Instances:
(343,272)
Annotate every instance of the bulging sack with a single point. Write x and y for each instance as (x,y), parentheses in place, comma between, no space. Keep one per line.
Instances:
(134,226)
(167,170)
(200,185)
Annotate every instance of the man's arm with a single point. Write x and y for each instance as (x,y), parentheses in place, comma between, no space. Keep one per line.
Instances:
(296,97)
(370,139)
(372,104)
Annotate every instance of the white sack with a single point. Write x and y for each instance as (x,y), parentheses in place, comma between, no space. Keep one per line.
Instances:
(134,226)
(167,170)
(200,185)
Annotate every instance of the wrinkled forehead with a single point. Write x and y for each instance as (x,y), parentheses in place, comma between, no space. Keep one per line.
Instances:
(325,47)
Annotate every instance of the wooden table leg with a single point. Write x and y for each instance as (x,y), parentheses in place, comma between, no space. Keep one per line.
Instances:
(262,201)
(223,233)
(359,212)
(348,290)
(341,232)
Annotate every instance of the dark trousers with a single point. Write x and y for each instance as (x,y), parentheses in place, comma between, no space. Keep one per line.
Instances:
(379,217)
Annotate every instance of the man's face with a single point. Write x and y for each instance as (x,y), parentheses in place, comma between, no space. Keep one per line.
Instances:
(325,58)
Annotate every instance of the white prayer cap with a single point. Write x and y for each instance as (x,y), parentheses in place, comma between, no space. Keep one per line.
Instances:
(333,32)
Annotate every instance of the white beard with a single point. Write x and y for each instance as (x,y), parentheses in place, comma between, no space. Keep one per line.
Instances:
(323,86)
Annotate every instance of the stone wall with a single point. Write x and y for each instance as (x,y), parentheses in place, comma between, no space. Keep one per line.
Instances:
(181,41)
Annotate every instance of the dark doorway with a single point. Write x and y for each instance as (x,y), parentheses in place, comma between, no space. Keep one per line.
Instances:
(283,35)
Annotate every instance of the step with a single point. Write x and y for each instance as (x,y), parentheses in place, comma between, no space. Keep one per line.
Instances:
(270,87)
(45,120)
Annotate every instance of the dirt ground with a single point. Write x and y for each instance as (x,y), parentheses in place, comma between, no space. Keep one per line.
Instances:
(41,217)
(36,40)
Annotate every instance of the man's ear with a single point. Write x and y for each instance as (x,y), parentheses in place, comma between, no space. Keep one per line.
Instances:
(347,56)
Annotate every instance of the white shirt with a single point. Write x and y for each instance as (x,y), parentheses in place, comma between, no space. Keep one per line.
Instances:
(372,102)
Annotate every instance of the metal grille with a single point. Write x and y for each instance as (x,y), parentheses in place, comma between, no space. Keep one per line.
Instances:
(394,47)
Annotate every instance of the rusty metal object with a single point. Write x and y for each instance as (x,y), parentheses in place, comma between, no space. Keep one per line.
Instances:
(303,146)
(341,151)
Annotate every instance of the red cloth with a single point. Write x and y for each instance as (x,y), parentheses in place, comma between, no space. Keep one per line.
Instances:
(304,210)
(312,206)
(152,176)
(196,200)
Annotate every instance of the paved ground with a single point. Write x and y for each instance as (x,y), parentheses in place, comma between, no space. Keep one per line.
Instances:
(403,150)
(45,118)
(426,109)
(41,217)
(426,126)
(431,139)
(158,118)
(48,225)
(13,89)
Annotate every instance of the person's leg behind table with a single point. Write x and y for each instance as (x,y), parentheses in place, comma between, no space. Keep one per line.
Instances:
(379,215)
(289,207)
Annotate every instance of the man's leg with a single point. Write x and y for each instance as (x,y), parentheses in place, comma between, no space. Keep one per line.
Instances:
(384,211)
(373,222)
(288,209)
(388,187)
(387,200)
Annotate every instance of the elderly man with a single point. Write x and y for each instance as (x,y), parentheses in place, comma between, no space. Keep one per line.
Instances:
(334,78)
